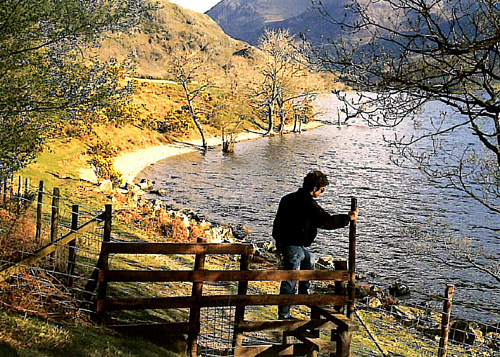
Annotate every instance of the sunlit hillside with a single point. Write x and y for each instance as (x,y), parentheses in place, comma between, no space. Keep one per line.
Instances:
(170,28)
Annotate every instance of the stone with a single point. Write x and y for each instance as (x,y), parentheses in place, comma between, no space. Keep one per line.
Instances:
(399,289)
(493,340)
(106,186)
(146,184)
(241,232)
(466,332)
(132,187)
(160,192)
(405,312)
(374,303)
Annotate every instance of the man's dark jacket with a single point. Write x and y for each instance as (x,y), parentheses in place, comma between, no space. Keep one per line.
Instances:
(299,217)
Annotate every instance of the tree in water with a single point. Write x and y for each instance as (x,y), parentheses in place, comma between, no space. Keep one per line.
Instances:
(189,70)
(279,87)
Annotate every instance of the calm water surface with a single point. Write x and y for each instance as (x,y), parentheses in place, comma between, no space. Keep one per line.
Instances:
(245,188)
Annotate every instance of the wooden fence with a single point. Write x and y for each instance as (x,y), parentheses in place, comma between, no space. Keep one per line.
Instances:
(306,331)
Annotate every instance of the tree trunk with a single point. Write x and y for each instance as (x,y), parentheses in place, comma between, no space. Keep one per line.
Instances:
(194,117)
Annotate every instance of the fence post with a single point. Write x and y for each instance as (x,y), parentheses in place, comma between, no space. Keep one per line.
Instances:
(92,281)
(19,192)
(445,321)
(39,207)
(352,263)
(103,263)
(344,337)
(239,313)
(54,224)
(108,209)
(194,313)
(5,191)
(72,245)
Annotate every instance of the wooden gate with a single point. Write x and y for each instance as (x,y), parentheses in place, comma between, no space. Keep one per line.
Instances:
(305,331)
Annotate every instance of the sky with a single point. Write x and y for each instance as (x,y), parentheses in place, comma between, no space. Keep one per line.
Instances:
(196,5)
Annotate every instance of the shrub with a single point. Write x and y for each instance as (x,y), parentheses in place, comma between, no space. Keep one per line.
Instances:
(104,170)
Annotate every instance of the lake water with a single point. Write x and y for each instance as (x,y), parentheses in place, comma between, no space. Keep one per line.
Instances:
(245,188)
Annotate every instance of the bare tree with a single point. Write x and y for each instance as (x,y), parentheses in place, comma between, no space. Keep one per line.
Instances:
(408,53)
(188,69)
(279,88)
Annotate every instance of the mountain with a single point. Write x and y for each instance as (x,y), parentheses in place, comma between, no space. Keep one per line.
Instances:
(168,29)
(246,19)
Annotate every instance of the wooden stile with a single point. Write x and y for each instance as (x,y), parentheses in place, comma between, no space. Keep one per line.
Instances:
(305,331)
(325,314)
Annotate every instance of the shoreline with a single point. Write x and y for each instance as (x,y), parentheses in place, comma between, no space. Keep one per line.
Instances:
(131,163)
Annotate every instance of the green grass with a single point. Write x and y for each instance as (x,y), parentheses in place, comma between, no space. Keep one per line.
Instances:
(48,166)
(35,337)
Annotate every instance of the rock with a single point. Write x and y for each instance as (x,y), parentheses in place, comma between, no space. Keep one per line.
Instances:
(399,289)
(362,290)
(374,303)
(106,186)
(160,192)
(146,184)
(132,187)
(265,251)
(405,313)
(122,191)
(326,262)
(466,332)
(493,340)
(241,232)
(157,205)
(330,263)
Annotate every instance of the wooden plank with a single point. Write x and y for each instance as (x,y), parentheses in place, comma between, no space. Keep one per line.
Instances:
(177,328)
(284,325)
(177,248)
(272,350)
(221,275)
(344,323)
(42,253)
(320,345)
(217,301)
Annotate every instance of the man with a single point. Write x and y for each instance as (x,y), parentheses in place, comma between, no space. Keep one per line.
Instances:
(295,227)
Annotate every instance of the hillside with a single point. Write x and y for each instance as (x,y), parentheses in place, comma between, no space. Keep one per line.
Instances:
(170,28)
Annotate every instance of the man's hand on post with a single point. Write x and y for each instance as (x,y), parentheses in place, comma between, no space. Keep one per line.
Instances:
(353,215)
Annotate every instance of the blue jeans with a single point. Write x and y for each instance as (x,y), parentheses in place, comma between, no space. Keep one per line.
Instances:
(294,258)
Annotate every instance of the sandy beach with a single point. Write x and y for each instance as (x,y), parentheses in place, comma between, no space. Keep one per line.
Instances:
(130,164)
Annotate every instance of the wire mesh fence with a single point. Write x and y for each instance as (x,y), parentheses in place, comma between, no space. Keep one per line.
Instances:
(32,222)
(425,328)
(57,285)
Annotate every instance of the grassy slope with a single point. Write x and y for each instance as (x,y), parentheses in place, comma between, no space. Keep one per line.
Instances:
(170,29)
(36,337)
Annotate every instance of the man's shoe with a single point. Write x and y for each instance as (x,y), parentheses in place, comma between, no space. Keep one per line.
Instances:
(288,318)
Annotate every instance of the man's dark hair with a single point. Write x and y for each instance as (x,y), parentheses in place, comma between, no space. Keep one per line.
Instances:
(314,179)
